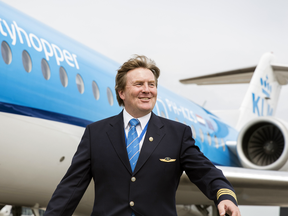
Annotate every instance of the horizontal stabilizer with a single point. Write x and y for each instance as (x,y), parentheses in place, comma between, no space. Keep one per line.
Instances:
(281,73)
(243,75)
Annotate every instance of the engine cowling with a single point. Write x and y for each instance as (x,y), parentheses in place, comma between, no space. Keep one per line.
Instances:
(262,144)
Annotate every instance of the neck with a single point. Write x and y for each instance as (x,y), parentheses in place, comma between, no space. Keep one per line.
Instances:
(136,115)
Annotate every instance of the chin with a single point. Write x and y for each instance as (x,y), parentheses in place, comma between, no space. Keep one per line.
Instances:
(146,110)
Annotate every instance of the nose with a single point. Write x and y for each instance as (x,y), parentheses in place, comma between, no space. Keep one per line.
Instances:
(145,88)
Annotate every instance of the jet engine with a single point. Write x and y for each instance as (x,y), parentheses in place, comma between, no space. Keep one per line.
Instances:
(262,144)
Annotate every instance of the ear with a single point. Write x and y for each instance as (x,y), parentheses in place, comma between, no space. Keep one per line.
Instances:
(121,94)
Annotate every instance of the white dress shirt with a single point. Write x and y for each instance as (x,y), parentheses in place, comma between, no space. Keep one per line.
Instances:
(139,128)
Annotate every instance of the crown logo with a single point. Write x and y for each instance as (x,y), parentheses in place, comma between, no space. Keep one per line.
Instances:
(266,88)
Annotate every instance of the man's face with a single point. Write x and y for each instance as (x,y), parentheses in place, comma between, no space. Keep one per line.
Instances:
(140,92)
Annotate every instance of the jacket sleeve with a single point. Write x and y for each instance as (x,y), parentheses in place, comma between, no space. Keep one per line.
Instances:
(203,173)
(73,185)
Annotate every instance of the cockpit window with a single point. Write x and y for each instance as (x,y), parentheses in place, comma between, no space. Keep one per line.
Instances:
(26,61)
(6,52)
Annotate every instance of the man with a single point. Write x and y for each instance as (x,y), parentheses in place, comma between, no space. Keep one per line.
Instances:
(136,158)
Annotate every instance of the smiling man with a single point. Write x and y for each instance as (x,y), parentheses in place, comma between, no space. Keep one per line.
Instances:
(140,93)
(136,158)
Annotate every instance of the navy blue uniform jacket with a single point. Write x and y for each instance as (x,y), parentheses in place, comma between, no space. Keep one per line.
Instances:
(102,155)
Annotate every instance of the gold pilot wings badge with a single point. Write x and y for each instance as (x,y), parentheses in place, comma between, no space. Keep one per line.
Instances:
(167,159)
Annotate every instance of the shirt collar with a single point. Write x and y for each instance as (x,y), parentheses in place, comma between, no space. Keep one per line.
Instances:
(143,120)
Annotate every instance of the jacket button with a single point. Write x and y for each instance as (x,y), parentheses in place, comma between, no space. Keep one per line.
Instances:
(133,179)
(131,203)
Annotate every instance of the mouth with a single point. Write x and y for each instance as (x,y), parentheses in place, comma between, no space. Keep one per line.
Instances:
(145,98)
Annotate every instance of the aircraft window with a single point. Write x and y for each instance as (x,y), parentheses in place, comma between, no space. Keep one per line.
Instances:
(163,114)
(6,52)
(201,135)
(223,144)
(26,61)
(110,96)
(216,142)
(209,138)
(193,132)
(45,69)
(95,90)
(63,76)
(80,83)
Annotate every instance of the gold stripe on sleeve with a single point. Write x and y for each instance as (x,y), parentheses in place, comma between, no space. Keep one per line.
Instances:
(225,191)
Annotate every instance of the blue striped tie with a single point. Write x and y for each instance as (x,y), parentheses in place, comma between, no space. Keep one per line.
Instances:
(132,144)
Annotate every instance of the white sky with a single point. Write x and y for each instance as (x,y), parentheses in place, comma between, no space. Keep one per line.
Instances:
(186,38)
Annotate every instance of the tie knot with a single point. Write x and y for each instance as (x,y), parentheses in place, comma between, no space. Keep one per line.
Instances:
(134,122)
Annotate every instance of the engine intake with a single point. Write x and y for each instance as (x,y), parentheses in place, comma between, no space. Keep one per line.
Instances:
(262,144)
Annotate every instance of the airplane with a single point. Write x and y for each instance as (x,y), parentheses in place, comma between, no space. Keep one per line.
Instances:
(53,86)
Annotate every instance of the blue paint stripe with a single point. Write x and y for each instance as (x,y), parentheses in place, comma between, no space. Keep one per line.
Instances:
(37,113)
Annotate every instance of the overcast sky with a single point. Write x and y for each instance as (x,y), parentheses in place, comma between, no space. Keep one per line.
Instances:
(186,38)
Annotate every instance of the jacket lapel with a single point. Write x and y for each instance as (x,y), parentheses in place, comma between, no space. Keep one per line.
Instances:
(156,131)
(117,139)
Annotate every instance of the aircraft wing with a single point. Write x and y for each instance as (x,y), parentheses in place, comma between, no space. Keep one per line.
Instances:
(281,72)
(242,75)
(229,77)
(252,187)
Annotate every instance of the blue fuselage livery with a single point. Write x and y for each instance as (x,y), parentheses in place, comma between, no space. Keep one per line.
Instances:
(30,94)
